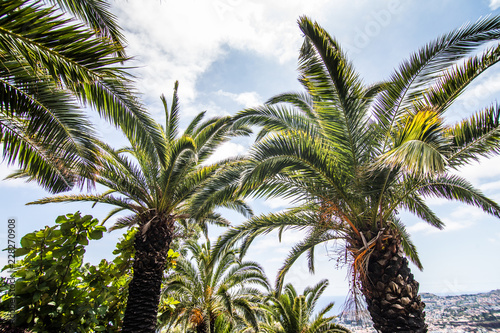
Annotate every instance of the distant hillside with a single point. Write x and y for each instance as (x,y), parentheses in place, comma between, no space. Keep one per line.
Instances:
(472,313)
(475,311)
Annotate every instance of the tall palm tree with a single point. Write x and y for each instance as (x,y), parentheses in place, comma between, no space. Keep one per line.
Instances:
(50,66)
(159,189)
(352,156)
(289,312)
(208,287)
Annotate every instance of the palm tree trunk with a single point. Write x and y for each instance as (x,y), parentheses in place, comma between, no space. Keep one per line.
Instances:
(151,251)
(391,292)
(202,328)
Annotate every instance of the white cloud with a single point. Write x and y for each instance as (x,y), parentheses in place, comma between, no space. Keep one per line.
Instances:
(487,87)
(490,186)
(494,4)
(278,203)
(247,99)
(495,238)
(461,218)
(458,224)
(434,202)
(477,96)
(421,227)
(483,169)
(180,40)
(226,150)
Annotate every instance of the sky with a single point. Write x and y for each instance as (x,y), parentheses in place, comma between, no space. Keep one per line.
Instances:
(233,54)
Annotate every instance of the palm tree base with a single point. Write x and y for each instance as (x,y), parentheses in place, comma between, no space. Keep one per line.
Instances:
(151,251)
(392,293)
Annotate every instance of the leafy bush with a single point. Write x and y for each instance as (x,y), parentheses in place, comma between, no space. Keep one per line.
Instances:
(56,292)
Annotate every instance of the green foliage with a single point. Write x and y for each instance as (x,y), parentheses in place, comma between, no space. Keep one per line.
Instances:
(164,190)
(212,292)
(51,65)
(291,313)
(353,156)
(56,292)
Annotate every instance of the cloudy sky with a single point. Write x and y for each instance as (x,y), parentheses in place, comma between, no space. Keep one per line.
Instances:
(232,54)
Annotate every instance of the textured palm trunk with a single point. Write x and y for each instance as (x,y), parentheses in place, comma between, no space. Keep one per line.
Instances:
(392,293)
(151,251)
(202,328)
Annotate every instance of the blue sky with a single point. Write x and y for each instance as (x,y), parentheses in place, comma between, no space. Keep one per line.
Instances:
(232,54)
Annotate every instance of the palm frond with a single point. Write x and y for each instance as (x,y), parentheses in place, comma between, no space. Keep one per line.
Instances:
(454,81)
(172,115)
(420,147)
(474,137)
(275,118)
(96,14)
(417,206)
(453,187)
(408,247)
(299,249)
(410,81)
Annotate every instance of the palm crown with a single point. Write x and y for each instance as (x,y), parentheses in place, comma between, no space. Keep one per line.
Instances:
(351,156)
(288,312)
(161,188)
(209,286)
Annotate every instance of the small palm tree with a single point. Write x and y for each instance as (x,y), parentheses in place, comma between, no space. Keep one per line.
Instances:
(160,187)
(50,66)
(214,293)
(289,312)
(352,156)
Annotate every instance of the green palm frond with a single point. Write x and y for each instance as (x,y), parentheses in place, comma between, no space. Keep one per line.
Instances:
(307,245)
(276,118)
(34,159)
(112,213)
(43,130)
(327,74)
(215,286)
(290,312)
(453,187)
(172,115)
(111,200)
(49,64)
(194,123)
(420,147)
(325,69)
(96,14)
(408,247)
(474,137)
(213,132)
(292,151)
(416,205)
(261,225)
(303,102)
(410,80)
(125,222)
(454,81)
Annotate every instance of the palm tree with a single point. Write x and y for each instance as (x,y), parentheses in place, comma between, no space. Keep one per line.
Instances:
(289,312)
(160,189)
(50,65)
(352,156)
(213,292)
